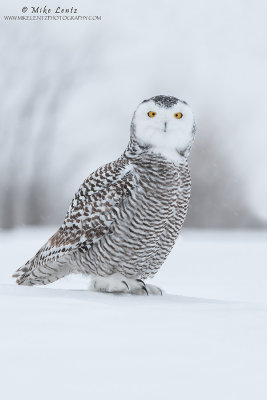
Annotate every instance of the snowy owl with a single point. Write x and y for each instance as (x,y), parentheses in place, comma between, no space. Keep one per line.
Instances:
(125,217)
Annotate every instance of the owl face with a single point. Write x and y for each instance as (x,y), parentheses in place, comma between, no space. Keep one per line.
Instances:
(166,125)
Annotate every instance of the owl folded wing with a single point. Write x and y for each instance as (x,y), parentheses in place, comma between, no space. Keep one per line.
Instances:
(91,214)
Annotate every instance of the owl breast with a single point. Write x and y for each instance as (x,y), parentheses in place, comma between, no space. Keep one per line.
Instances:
(147,224)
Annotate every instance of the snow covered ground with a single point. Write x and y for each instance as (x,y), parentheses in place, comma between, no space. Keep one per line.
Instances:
(206,338)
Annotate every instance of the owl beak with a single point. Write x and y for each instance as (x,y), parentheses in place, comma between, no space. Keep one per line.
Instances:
(165,126)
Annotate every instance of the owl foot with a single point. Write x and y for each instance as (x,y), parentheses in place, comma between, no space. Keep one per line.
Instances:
(150,289)
(118,283)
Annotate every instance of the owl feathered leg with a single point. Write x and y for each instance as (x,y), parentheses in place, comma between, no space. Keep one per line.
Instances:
(30,275)
(118,283)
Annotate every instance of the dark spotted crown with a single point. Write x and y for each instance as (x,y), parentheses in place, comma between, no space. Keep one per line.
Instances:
(165,101)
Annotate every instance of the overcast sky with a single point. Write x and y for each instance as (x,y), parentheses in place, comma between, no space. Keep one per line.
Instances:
(211,54)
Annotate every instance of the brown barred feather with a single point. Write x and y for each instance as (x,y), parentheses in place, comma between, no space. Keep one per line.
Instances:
(124,218)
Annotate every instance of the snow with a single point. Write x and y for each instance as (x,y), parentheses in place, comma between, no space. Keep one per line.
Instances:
(204,339)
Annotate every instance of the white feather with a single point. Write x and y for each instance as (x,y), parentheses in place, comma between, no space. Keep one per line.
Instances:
(165,134)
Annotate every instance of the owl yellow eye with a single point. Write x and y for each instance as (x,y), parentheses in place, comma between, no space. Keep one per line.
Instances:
(178,115)
(151,114)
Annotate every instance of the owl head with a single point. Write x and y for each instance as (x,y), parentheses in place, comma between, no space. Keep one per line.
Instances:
(165,125)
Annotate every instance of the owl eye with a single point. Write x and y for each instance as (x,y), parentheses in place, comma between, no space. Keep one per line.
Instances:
(151,114)
(178,115)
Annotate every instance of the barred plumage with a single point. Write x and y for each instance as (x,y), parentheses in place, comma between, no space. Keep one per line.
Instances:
(126,216)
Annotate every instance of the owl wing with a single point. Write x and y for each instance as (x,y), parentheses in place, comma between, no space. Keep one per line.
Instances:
(90,216)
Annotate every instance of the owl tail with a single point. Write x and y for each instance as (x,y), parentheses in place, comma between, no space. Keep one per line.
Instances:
(30,274)
(22,273)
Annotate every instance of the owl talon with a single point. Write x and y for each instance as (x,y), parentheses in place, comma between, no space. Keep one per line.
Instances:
(145,289)
(126,284)
(143,285)
(141,281)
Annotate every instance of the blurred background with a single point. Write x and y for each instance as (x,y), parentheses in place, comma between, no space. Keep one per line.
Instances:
(68,90)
